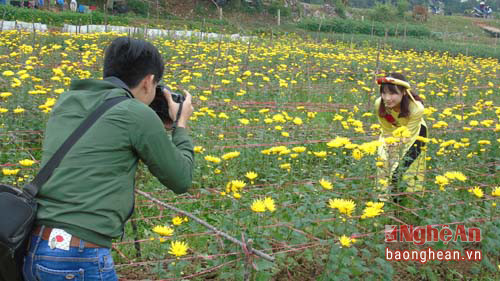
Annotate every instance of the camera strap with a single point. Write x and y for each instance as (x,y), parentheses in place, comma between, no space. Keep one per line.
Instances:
(174,126)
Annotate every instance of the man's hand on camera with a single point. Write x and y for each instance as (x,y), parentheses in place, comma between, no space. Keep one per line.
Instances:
(173,107)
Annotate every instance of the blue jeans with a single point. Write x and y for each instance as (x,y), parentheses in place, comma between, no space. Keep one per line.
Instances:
(78,263)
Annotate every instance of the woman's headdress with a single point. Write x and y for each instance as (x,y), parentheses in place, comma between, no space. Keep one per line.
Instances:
(395,81)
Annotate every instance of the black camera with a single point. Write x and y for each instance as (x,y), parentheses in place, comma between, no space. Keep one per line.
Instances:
(160,104)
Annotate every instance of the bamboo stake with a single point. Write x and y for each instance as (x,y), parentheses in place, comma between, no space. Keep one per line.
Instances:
(369,104)
(33,42)
(248,55)
(405,33)
(3,17)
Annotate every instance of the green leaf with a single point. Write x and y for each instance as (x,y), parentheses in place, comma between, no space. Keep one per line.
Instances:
(263,264)
(411,270)
(486,262)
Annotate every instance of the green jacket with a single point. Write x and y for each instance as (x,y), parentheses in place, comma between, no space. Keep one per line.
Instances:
(91,193)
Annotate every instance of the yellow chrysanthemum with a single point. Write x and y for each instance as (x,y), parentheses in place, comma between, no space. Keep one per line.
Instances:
(477,191)
(299,149)
(163,230)
(198,149)
(269,203)
(320,154)
(258,206)
(244,121)
(343,205)
(285,166)
(345,241)
(326,184)
(401,132)
(230,155)
(297,121)
(18,110)
(212,159)
(223,115)
(8,73)
(235,186)
(251,175)
(5,94)
(178,248)
(177,220)
(455,175)
(378,205)
(26,162)
(441,180)
(10,172)
(391,140)
(370,147)
(371,212)
(338,142)
(357,154)
(496,191)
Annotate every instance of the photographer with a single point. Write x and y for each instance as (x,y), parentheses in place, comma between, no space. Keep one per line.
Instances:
(90,196)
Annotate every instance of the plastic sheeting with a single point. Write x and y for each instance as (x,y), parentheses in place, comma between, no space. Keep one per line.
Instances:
(150,32)
(147,32)
(13,25)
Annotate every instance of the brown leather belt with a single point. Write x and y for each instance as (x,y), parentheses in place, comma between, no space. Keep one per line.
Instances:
(75,241)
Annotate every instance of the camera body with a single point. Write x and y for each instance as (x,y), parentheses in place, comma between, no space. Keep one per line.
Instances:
(160,104)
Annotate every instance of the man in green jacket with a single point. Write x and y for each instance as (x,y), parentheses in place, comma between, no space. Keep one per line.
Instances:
(90,196)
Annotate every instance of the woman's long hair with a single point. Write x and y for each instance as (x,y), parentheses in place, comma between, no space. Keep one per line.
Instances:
(405,102)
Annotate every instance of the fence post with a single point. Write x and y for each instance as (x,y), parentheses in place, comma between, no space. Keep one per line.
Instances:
(105,19)
(34,31)
(279,17)
(3,18)
(496,42)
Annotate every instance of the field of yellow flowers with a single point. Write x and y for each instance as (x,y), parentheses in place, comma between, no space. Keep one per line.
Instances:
(286,141)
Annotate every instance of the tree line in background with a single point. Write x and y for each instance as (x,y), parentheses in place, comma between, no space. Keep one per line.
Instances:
(382,10)
(450,6)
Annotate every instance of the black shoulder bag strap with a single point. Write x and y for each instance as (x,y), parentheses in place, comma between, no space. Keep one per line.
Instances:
(118,82)
(47,170)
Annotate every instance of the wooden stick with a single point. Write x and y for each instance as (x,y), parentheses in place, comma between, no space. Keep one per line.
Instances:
(137,245)
(34,31)
(3,17)
(369,104)
(207,225)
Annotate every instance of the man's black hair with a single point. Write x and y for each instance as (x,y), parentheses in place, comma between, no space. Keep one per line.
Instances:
(131,60)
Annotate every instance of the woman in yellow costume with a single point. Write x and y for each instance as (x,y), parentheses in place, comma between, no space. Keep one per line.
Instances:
(404,131)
